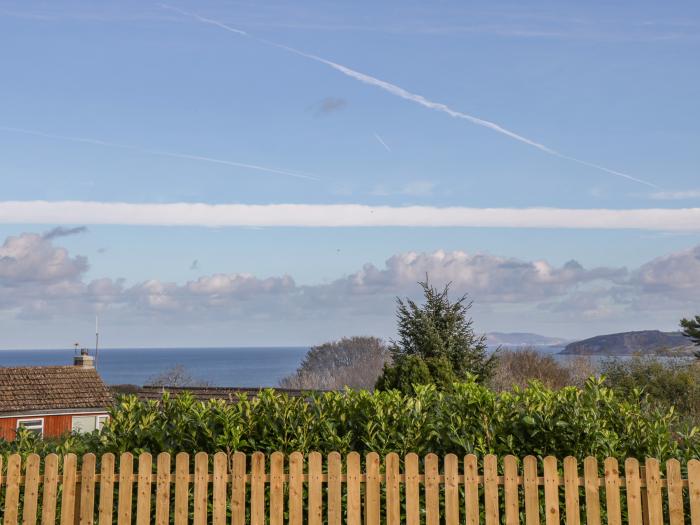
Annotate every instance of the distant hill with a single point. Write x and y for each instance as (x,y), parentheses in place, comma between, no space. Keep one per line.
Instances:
(629,343)
(522,339)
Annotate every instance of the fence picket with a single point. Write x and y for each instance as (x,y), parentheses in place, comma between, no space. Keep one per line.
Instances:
(219,486)
(201,488)
(163,489)
(471,489)
(70,477)
(314,487)
(653,490)
(612,492)
(277,488)
(510,490)
(296,488)
(182,488)
(87,489)
(491,511)
(432,490)
(571,498)
(412,489)
(50,494)
(694,490)
(354,501)
(335,495)
(451,490)
(675,492)
(257,489)
(143,499)
(551,490)
(126,472)
(632,483)
(14,471)
(393,501)
(238,472)
(106,505)
(531,491)
(31,490)
(372,490)
(590,481)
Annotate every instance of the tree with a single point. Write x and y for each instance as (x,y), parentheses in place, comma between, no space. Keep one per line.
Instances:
(175,376)
(436,344)
(353,362)
(691,329)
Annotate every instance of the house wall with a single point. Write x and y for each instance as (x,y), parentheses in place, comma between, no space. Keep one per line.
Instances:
(54,425)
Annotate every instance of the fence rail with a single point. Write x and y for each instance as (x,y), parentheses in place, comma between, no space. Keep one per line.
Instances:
(237,489)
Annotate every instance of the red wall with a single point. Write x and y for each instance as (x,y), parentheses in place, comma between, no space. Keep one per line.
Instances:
(54,426)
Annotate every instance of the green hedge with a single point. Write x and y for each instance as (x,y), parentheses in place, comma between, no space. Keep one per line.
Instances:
(470,418)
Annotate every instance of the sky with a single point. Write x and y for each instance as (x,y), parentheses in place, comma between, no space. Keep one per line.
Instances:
(277,173)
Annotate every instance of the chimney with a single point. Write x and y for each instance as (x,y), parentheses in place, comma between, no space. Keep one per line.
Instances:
(84,360)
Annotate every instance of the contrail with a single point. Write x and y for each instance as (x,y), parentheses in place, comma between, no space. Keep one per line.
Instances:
(413,97)
(381,141)
(158,152)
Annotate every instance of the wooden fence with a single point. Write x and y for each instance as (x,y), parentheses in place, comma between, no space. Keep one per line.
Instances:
(261,490)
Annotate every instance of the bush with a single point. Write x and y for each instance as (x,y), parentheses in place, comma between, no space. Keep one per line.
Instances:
(468,418)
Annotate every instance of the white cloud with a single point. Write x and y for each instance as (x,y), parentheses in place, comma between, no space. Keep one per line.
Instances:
(343,215)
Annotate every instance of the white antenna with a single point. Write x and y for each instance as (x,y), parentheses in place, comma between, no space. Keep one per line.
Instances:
(97,337)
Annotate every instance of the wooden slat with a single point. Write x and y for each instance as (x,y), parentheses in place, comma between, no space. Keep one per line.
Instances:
(471,489)
(653,490)
(14,472)
(257,489)
(143,491)
(163,489)
(612,492)
(219,489)
(354,502)
(372,491)
(590,481)
(87,489)
(531,491)
(31,490)
(412,489)
(432,490)
(277,488)
(238,472)
(633,491)
(335,495)
(182,488)
(315,489)
(571,498)
(510,490)
(201,488)
(393,495)
(451,490)
(694,490)
(70,477)
(106,506)
(126,471)
(48,499)
(551,491)
(491,510)
(675,492)
(296,488)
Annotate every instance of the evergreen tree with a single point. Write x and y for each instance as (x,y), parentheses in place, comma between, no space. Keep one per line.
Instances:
(691,329)
(436,344)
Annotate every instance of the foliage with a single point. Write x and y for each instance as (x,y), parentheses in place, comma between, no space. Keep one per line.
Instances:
(175,376)
(469,417)
(353,362)
(436,345)
(519,367)
(665,381)
(691,329)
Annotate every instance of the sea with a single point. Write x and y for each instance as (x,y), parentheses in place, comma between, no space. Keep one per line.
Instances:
(240,366)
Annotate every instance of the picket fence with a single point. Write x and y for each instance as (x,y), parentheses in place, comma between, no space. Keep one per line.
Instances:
(261,490)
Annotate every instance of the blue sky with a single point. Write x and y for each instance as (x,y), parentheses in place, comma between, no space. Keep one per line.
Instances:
(107,102)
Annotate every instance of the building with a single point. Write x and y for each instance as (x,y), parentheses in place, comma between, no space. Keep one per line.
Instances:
(53,400)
